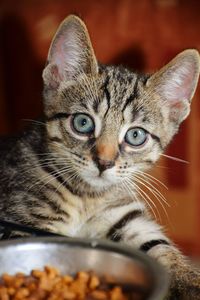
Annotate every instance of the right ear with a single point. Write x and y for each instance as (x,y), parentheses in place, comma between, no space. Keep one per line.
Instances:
(176,83)
(70,53)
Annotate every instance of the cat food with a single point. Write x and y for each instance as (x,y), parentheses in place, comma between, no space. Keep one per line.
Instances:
(49,284)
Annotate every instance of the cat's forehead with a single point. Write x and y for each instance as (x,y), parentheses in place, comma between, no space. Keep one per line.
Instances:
(120,82)
(117,83)
(126,90)
(116,92)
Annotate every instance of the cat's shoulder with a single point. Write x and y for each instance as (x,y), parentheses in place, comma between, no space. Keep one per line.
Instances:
(31,137)
(7,142)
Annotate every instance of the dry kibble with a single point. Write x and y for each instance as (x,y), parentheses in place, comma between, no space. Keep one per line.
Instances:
(94,282)
(8,279)
(83,276)
(67,279)
(49,284)
(4,294)
(51,272)
(11,291)
(19,274)
(99,295)
(37,273)
(116,294)
(21,293)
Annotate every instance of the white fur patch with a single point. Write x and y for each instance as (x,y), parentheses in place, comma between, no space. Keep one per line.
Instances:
(53,129)
(141,230)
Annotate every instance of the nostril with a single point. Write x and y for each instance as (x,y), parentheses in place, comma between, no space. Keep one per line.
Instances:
(104,164)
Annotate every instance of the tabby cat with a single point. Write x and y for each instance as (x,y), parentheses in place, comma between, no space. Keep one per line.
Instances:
(77,174)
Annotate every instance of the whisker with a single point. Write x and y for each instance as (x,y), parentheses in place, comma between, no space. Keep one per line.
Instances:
(161,199)
(54,174)
(157,196)
(43,164)
(145,196)
(161,167)
(127,188)
(74,175)
(34,121)
(153,188)
(176,159)
(151,178)
(131,192)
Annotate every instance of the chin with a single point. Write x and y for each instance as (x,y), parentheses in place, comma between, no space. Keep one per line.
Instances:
(101,181)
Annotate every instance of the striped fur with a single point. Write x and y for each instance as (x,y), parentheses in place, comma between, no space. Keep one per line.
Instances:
(56,179)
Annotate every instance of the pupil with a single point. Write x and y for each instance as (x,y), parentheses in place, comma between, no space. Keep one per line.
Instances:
(135,134)
(84,121)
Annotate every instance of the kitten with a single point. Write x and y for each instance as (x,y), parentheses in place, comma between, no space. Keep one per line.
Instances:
(77,174)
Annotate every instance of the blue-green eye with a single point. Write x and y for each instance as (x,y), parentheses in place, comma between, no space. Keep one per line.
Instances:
(83,124)
(136,136)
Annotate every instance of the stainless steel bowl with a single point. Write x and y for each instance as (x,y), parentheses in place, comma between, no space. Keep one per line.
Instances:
(126,265)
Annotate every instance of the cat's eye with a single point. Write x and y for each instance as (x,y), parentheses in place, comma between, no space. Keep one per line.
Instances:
(136,136)
(83,124)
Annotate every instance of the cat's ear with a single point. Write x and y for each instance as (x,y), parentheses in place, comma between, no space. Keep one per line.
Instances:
(70,53)
(175,84)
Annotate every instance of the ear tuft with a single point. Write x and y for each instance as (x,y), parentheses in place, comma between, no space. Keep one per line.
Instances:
(176,83)
(70,53)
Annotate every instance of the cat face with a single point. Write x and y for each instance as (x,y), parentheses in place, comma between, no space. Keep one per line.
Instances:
(107,124)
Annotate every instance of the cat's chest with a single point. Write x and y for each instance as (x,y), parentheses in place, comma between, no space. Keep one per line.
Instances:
(92,217)
(78,211)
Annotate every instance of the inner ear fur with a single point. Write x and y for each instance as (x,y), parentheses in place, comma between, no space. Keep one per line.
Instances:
(70,53)
(176,82)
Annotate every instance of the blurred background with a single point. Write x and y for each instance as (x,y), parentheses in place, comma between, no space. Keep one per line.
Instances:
(143,35)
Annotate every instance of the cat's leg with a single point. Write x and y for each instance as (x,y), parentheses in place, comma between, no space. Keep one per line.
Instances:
(132,225)
(185,278)
(137,229)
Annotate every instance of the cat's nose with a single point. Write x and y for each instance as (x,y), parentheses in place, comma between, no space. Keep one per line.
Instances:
(104,164)
(105,155)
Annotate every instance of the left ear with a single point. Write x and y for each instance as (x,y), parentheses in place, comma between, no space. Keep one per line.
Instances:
(70,53)
(176,83)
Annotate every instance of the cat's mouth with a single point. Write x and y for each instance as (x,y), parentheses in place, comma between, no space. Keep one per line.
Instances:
(101,179)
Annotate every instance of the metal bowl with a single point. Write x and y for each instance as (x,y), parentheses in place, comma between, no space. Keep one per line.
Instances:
(126,265)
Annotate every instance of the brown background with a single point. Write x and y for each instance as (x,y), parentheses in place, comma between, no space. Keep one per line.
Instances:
(142,34)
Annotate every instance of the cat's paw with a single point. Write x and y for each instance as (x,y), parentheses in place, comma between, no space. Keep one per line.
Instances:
(185,284)
(185,277)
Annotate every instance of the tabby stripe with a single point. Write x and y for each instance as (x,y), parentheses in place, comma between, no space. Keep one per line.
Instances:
(95,105)
(149,245)
(57,207)
(55,190)
(83,104)
(63,182)
(133,96)
(46,218)
(107,94)
(45,199)
(157,139)
(116,236)
(28,227)
(76,154)
(58,177)
(58,116)
(55,139)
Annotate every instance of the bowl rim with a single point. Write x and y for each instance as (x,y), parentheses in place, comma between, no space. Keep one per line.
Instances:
(160,275)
